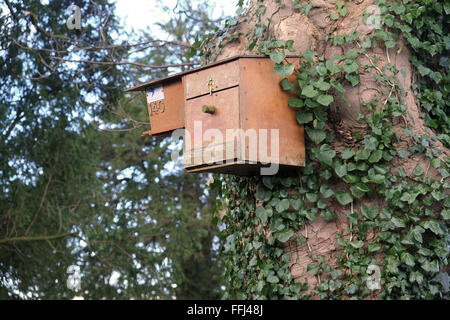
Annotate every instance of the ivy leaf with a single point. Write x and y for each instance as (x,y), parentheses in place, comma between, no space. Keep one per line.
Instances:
(418,171)
(272,279)
(430,266)
(312,197)
(353,78)
(333,68)
(424,71)
(311,215)
(381,168)
(326,154)
(409,197)
(284,70)
(261,214)
(267,181)
(351,178)
(416,276)
(359,189)
(304,116)
(326,191)
(297,204)
(287,182)
(352,217)
(351,67)
(398,222)
(343,198)
(325,99)
(278,57)
(295,103)
(357,244)
(402,153)
(288,86)
(375,156)
(373,247)
(417,233)
(341,170)
(289,44)
(329,215)
(434,227)
(316,135)
(336,273)
(355,192)
(321,204)
(436,163)
(334,15)
(309,55)
(312,269)
(370,142)
(347,154)
(445,214)
(322,85)
(285,235)
(261,193)
(282,206)
(321,69)
(352,54)
(369,212)
(407,258)
(376,178)
(309,91)
(362,155)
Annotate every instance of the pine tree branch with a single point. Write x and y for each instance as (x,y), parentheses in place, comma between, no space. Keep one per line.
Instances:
(38,238)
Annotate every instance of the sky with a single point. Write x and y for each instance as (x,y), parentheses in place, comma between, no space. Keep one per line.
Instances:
(142,14)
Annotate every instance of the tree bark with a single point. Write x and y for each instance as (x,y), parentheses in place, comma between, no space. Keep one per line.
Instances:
(308,32)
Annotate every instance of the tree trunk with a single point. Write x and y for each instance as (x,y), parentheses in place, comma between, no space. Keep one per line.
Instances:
(308,32)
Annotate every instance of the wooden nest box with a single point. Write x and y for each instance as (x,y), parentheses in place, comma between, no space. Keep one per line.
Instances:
(235,116)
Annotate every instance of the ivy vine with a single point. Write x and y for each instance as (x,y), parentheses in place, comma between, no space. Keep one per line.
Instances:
(260,215)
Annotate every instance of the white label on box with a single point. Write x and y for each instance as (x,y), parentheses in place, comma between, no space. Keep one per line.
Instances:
(155,94)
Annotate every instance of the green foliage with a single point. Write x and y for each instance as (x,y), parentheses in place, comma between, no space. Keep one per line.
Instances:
(423,24)
(103,200)
(410,225)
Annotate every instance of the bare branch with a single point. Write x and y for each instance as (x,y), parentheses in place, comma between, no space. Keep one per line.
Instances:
(44,195)
(38,238)
(143,65)
(144,44)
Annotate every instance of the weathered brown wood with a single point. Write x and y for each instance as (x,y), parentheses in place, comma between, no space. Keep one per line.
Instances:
(240,99)
(264,105)
(172,116)
(261,105)
(215,78)
(226,116)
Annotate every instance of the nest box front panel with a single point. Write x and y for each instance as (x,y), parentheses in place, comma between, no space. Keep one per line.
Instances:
(208,118)
(212,79)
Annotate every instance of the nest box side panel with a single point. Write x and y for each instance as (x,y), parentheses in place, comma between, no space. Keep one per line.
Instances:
(264,105)
(165,104)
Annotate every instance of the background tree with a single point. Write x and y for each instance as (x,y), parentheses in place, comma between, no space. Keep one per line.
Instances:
(80,186)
